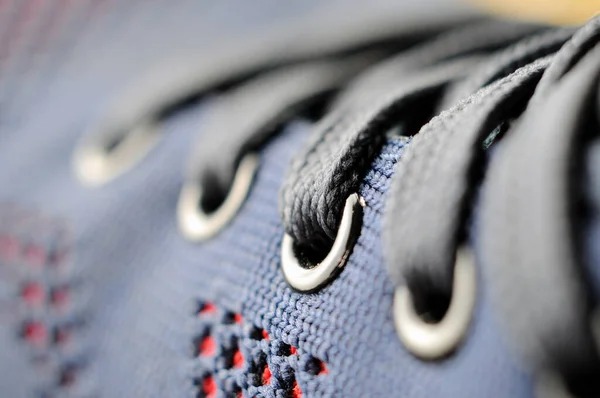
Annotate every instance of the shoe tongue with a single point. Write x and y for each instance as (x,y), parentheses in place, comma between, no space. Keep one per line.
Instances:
(557,12)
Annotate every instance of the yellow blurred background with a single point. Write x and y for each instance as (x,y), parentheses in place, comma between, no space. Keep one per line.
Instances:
(558,12)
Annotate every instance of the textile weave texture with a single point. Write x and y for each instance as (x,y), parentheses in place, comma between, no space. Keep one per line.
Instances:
(146,281)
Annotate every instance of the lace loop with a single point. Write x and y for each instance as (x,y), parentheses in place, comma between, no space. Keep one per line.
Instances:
(307,278)
(344,143)
(433,186)
(259,106)
(342,146)
(244,118)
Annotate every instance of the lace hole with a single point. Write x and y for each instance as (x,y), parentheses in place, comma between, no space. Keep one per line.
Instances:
(436,340)
(195,223)
(306,279)
(101,158)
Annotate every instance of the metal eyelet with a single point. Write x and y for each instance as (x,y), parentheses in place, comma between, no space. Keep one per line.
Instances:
(433,341)
(308,279)
(97,160)
(197,225)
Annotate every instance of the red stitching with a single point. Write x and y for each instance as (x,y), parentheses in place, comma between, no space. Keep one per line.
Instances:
(238,359)
(324,370)
(33,294)
(35,333)
(209,387)
(207,308)
(207,347)
(296,391)
(266,375)
(43,244)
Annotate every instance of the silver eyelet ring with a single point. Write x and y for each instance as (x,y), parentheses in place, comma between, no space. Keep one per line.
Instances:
(308,279)
(433,341)
(197,225)
(95,163)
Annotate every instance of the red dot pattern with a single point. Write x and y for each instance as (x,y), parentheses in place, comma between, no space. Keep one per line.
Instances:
(238,359)
(207,346)
(35,333)
(33,294)
(296,391)
(207,308)
(209,387)
(266,376)
(35,256)
(220,349)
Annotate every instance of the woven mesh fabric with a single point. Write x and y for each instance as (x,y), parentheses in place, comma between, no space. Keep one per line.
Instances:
(237,358)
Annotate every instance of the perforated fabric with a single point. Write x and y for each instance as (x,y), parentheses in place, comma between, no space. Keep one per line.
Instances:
(235,357)
(42,300)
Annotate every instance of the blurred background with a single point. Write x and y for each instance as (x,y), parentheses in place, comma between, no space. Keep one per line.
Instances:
(106,39)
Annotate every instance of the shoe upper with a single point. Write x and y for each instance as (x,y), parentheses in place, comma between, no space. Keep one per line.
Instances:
(101,295)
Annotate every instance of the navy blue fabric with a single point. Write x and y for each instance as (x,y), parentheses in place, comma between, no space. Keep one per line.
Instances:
(144,281)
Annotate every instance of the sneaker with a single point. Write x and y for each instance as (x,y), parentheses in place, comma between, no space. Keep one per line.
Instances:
(218,199)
